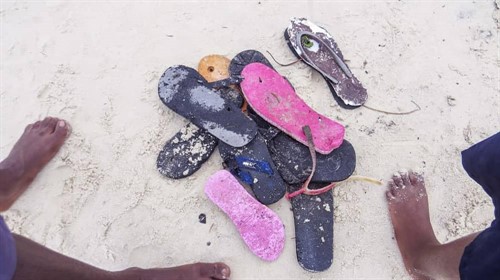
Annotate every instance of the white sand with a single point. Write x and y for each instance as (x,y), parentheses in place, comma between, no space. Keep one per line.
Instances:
(97,65)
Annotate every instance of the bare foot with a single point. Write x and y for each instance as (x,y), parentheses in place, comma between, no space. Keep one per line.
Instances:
(36,147)
(409,210)
(197,271)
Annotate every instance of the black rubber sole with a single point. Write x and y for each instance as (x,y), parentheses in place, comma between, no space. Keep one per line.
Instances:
(184,153)
(253,165)
(294,162)
(244,58)
(232,96)
(186,92)
(313,218)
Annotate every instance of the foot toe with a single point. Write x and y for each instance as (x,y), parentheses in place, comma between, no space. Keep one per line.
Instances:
(52,124)
(61,129)
(214,270)
(36,124)
(393,188)
(416,179)
(389,195)
(45,124)
(398,181)
(28,127)
(405,178)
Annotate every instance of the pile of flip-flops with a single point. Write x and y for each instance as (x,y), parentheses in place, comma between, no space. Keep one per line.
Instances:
(269,140)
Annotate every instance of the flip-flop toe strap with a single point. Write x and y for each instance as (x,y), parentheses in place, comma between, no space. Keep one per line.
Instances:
(305,187)
(336,58)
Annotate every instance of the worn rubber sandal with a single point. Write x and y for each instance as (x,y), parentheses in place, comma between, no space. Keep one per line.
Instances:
(313,218)
(312,206)
(244,58)
(253,165)
(187,93)
(184,153)
(316,47)
(294,162)
(261,229)
(214,67)
(274,99)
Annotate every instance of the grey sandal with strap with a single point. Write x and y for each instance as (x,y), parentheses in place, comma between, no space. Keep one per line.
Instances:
(316,47)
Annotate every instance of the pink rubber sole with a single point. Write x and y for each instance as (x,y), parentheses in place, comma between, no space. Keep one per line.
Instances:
(260,228)
(274,99)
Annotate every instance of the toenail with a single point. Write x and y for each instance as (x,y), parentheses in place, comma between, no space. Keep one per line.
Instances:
(225,272)
(61,124)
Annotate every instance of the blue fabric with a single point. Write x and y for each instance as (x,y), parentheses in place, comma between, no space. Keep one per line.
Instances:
(481,259)
(7,252)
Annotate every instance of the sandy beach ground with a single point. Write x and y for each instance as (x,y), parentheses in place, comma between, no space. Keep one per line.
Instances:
(97,65)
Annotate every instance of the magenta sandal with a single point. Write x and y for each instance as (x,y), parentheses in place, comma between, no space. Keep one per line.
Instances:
(260,228)
(275,100)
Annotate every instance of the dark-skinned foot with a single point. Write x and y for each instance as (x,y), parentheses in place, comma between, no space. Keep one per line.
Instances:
(197,271)
(409,211)
(36,147)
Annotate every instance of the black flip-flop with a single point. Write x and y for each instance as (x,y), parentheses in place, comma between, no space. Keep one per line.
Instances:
(184,153)
(186,92)
(312,206)
(316,47)
(253,165)
(294,162)
(313,217)
(244,58)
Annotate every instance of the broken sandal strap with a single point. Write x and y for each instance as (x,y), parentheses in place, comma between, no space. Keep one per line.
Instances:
(305,187)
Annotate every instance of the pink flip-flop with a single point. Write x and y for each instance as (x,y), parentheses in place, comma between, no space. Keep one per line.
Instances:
(275,100)
(260,228)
